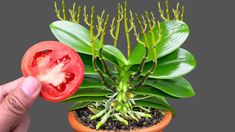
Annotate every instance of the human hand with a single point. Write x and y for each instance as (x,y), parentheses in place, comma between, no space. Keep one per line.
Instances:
(15,100)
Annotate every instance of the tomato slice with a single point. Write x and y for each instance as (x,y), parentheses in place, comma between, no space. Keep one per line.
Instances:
(57,66)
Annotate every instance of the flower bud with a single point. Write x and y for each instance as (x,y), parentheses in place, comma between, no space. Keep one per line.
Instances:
(129,95)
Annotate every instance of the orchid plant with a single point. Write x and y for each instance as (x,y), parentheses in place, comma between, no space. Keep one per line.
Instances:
(116,86)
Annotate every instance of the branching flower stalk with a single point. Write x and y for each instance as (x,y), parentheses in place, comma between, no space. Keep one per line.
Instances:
(115,36)
(143,26)
(57,11)
(182,13)
(121,105)
(176,12)
(179,15)
(167,10)
(162,12)
(154,65)
(103,32)
(64,10)
(74,12)
(165,15)
(116,28)
(93,38)
(128,25)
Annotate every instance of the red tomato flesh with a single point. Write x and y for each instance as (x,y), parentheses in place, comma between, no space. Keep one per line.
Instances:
(57,66)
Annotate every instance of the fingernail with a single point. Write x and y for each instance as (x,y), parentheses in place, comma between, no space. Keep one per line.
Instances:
(30,86)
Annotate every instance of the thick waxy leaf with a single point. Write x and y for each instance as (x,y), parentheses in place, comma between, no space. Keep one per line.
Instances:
(87,60)
(79,105)
(155,102)
(91,81)
(86,99)
(174,34)
(111,50)
(179,87)
(150,91)
(91,92)
(151,105)
(158,100)
(72,34)
(89,70)
(174,65)
(78,37)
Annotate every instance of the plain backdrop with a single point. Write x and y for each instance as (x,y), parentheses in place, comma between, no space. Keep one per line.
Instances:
(25,22)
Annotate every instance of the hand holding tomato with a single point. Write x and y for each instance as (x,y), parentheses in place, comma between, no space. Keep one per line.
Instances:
(57,66)
(15,99)
(52,70)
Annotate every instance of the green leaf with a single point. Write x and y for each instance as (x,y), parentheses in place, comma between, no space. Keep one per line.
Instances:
(91,92)
(79,105)
(158,100)
(89,70)
(86,99)
(78,37)
(91,81)
(174,65)
(179,87)
(87,61)
(150,91)
(74,35)
(111,50)
(151,105)
(155,102)
(174,34)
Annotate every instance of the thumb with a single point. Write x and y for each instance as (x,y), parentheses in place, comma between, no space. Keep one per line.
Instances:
(16,103)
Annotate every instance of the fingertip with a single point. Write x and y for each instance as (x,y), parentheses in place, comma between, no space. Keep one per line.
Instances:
(31,86)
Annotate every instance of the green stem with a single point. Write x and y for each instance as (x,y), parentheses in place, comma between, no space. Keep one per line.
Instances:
(146,45)
(79,14)
(167,10)
(57,11)
(101,49)
(92,35)
(141,67)
(141,83)
(154,58)
(106,70)
(127,30)
(151,27)
(123,96)
(117,34)
(182,13)
(94,57)
(118,25)
(64,10)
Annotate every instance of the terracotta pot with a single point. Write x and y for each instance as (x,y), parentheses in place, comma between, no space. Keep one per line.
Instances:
(78,127)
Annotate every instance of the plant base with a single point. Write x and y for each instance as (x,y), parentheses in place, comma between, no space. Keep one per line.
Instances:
(79,127)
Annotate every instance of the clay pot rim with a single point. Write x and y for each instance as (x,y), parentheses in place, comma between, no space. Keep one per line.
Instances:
(76,125)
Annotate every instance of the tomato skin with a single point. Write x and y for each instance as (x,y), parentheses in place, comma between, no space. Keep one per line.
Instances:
(57,66)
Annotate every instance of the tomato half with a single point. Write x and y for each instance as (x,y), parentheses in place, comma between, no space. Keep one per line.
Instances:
(57,66)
